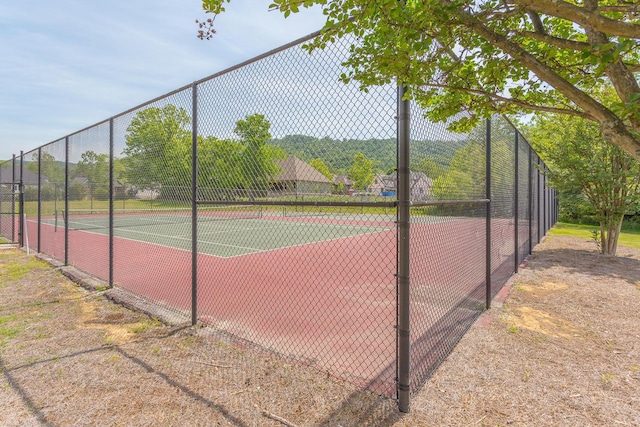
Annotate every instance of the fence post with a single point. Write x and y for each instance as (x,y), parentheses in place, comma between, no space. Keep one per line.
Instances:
(194,206)
(516,207)
(66,201)
(111,201)
(39,196)
(538,197)
(544,198)
(2,195)
(488,197)
(403,273)
(21,224)
(530,195)
(13,198)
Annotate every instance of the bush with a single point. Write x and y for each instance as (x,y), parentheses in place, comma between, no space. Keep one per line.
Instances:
(575,208)
(77,191)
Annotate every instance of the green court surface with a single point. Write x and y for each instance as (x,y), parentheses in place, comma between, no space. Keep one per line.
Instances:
(221,237)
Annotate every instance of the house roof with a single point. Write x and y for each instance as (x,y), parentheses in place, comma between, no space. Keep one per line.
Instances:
(294,169)
(28,177)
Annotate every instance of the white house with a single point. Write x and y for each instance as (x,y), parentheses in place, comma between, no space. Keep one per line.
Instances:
(387,185)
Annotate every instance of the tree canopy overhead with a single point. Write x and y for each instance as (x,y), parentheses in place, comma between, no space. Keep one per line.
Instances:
(492,56)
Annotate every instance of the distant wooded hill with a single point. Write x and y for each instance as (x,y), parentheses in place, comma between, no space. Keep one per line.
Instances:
(338,154)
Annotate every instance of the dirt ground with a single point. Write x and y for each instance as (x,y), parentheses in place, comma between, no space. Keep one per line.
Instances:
(563,350)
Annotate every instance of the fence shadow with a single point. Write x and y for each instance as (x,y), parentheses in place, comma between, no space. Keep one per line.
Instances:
(29,399)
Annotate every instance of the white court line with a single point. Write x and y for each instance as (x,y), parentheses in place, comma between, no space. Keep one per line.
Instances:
(254,250)
(283,225)
(313,243)
(179,237)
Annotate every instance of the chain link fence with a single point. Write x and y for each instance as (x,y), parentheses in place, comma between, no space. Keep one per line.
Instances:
(271,203)
(9,199)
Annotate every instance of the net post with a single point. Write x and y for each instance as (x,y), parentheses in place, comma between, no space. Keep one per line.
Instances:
(403,268)
(111,201)
(21,229)
(515,205)
(194,206)
(66,201)
(488,214)
(39,196)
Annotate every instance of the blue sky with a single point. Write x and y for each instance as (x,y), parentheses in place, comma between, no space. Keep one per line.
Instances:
(71,63)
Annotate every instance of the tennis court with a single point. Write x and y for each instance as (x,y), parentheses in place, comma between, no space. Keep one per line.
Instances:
(226,231)
(297,282)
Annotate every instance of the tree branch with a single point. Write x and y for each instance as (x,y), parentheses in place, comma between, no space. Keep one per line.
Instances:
(537,22)
(634,68)
(621,77)
(621,9)
(581,16)
(518,102)
(612,126)
(556,41)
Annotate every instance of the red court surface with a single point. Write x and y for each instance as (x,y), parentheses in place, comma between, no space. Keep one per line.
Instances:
(329,304)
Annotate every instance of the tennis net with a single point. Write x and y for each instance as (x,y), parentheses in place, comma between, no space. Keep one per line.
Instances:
(87,219)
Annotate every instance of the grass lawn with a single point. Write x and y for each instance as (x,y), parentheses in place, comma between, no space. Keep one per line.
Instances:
(627,238)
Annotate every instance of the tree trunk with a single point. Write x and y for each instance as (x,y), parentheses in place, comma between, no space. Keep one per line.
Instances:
(609,233)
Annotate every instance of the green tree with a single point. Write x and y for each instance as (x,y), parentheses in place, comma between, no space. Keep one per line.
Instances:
(51,168)
(258,158)
(465,178)
(219,167)
(361,172)
(321,167)
(429,167)
(77,191)
(95,167)
(158,151)
(581,162)
(489,57)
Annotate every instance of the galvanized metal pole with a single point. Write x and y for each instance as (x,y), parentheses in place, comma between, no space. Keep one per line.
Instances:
(111,201)
(66,201)
(403,272)
(515,206)
(39,196)
(488,217)
(194,206)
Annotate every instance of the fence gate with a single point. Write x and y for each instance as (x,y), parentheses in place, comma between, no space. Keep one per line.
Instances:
(9,212)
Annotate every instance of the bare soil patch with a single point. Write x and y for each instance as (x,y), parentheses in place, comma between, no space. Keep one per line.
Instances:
(563,350)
